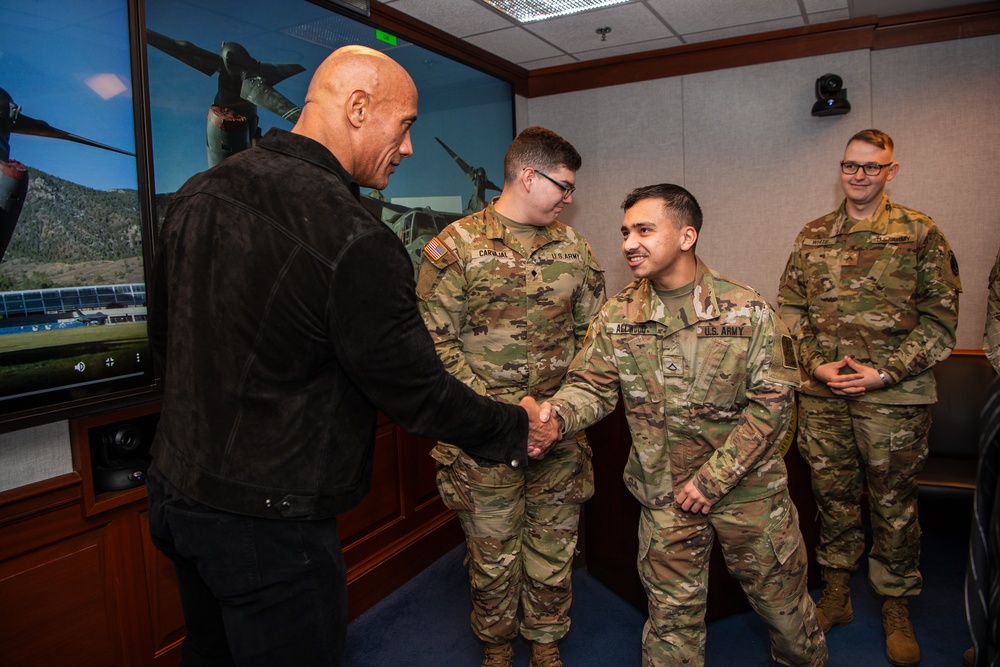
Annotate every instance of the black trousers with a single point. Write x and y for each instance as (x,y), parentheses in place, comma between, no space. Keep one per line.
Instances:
(254,591)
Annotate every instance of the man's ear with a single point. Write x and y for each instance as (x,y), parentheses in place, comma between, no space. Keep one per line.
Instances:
(689,236)
(893,170)
(526,179)
(358,107)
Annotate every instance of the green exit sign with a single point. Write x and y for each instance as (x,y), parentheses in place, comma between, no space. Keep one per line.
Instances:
(385,37)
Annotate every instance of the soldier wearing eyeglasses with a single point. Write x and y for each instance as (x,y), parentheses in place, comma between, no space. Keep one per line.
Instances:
(870,293)
(507,294)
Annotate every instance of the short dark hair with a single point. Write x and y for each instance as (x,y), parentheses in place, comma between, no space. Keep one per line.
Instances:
(679,204)
(540,149)
(876,138)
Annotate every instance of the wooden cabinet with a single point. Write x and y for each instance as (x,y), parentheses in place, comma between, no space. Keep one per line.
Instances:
(81,583)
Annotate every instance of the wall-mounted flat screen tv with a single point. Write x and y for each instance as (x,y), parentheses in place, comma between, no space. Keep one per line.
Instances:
(72,272)
(108,106)
(221,72)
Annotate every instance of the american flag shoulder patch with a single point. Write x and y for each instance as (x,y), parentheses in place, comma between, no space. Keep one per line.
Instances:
(435,249)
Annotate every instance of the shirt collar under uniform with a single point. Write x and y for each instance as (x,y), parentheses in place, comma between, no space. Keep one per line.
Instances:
(495,229)
(703,305)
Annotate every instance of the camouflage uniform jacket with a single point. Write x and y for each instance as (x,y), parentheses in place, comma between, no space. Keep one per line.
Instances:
(883,290)
(505,320)
(708,389)
(991,341)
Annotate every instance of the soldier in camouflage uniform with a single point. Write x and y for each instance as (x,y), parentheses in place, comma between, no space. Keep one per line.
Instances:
(507,294)
(991,341)
(870,294)
(707,372)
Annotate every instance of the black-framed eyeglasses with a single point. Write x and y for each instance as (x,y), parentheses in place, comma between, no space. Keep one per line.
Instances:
(871,169)
(567,191)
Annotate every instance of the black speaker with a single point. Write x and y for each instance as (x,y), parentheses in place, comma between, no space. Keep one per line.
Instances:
(119,453)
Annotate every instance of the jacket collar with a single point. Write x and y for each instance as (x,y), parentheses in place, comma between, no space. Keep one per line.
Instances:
(495,229)
(877,221)
(299,147)
(645,305)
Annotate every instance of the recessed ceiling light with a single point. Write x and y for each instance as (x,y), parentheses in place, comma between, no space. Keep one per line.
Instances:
(526,11)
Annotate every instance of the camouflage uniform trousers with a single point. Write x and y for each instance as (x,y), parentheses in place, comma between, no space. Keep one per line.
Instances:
(763,550)
(846,444)
(521,533)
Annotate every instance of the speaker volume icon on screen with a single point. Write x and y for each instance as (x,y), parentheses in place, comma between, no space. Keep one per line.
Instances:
(80,367)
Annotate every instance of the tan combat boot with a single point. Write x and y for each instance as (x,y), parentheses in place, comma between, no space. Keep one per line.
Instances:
(545,655)
(498,655)
(834,606)
(900,645)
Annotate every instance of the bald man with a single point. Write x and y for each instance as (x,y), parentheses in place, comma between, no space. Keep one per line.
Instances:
(283,316)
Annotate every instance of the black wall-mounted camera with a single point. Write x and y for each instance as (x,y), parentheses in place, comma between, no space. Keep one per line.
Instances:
(119,453)
(831,96)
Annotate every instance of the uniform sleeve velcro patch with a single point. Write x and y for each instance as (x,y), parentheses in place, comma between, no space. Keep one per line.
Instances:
(784,367)
(788,359)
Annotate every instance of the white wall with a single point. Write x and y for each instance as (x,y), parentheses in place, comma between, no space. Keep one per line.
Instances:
(744,143)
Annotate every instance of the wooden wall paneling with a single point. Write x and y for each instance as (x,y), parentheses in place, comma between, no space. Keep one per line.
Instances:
(425,489)
(360,527)
(58,605)
(938,26)
(66,598)
(383,547)
(166,616)
(33,499)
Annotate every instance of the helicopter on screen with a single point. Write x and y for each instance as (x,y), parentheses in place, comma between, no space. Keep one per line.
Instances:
(244,83)
(13,174)
(415,226)
(480,182)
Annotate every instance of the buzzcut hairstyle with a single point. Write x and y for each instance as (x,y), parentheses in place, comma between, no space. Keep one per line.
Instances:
(679,204)
(876,138)
(540,149)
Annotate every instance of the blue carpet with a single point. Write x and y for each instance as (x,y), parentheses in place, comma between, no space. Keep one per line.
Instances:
(426,622)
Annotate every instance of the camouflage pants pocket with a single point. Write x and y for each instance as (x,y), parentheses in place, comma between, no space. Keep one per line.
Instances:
(581,483)
(785,536)
(454,490)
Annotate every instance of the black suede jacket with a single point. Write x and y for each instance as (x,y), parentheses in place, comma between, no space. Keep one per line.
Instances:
(283,316)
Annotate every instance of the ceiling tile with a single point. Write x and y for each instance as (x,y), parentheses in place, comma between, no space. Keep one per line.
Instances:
(514,44)
(578,32)
(686,17)
(638,25)
(458,18)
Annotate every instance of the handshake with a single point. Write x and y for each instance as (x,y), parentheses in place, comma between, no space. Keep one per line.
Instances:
(544,428)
